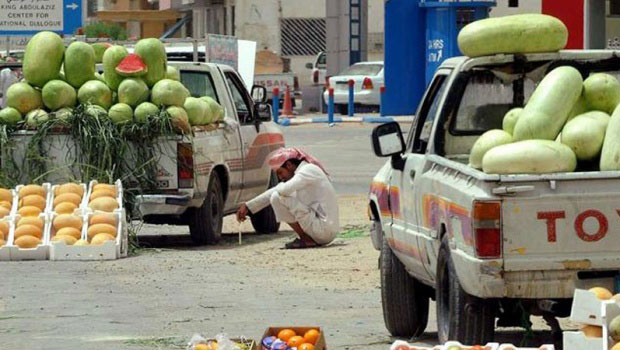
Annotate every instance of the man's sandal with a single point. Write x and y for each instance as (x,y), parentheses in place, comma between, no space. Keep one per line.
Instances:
(299,244)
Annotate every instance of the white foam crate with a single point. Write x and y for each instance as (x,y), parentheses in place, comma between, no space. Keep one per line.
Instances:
(13,209)
(5,250)
(83,204)
(609,311)
(402,345)
(586,308)
(512,347)
(41,252)
(110,250)
(119,192)
(48,194)
(578,341)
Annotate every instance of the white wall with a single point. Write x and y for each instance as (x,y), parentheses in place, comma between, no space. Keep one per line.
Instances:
(303,8)
(259,20)
(525,6)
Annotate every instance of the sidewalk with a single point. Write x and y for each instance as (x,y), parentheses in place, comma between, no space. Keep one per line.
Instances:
(361,118)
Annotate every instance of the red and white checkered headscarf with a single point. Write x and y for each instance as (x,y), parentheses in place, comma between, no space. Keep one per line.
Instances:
(278,157)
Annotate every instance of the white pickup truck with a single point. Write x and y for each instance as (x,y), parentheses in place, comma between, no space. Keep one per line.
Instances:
(483,246)
(202,177)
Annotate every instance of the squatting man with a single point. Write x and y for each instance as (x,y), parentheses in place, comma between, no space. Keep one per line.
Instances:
(305,199)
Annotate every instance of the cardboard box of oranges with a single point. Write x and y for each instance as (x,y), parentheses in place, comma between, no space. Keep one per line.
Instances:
(302,338)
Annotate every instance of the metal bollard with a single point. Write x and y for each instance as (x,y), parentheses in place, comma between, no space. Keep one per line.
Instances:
(330,106)
(381,94)
(351,99)
(275,101)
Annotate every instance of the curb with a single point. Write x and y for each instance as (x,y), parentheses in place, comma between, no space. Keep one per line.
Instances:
(368,119)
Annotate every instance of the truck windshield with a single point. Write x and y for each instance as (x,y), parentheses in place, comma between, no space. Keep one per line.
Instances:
(199,83)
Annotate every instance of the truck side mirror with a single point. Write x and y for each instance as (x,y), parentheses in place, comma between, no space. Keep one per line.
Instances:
(263,110)
(309,66)
(387,141)
(259,94)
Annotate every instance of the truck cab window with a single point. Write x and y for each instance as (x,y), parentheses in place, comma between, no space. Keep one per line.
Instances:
(199,84)
(426,115)
(241,98)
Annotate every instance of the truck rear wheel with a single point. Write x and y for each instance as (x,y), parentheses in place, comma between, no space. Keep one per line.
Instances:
(265,220)
(405,303)
(205,223)
(460,316)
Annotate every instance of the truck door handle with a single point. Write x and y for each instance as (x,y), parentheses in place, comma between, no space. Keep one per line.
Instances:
(412,174)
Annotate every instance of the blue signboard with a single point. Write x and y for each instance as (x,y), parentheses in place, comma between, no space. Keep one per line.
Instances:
(25,17)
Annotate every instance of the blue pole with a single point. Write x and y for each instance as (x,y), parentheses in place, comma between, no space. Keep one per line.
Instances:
(275,101)
(351,99)
(330,106)
(381,98)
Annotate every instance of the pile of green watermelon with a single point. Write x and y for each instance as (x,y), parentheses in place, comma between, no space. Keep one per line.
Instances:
(133,87)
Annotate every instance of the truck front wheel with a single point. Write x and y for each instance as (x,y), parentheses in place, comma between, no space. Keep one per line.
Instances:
(265,220)
(460,316)
(205,223)
(404,299)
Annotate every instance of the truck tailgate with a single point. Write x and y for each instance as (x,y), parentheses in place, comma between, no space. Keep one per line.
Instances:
(575,228)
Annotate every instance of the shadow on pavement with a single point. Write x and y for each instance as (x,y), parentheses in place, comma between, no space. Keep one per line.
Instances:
(228,240)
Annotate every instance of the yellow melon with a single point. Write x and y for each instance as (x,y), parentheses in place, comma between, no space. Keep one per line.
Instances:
(67,220)
(102,219)
(592,331)
(106,204)
(65,208)
(69,240)
(101,238)
(601,293)
(6,195)
(32,189)
(31,220)
(101,228)
(105,187)
(29,211)
(69,188)
(2,242)
(7,205)
(69,231)
(81,242)
(28,230)
(616,347)
(616,297)
(102,193)
(25,242)
(4,228)
(4,212)
(68,197)
(33,200)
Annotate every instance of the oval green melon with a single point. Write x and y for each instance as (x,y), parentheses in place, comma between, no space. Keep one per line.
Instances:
(35,118)
(547,110)
(510,119)
(99,49)
(169,92)
(602,92)
(529,157)
(58,94)
(145,110)
(23,97)
(197,111)
(43,58)
(486,142)
(111,58)
(614,329)
(64,115)
(95,92)
(217,111)
(584,134)
(10,116)
(133,91)
(153,53)
(172,73)
(527,33)
(120,113)
(79,64)
(580,107)
(95,111)
(610,154)
(179,118)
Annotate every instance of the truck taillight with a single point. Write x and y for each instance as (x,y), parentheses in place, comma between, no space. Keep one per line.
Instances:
(367,84)
(185,165)
(487,229)
(315,77)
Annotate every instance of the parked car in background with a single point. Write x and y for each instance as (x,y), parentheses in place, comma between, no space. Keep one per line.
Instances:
(319,68)
(368,79)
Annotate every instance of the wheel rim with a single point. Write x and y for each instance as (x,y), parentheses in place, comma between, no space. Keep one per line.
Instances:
(443,304)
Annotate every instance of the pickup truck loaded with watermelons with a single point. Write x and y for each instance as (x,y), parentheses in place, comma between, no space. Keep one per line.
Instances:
(187,139)
(505,195)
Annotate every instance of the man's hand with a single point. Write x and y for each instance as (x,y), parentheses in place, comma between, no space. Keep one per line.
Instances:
(242,213)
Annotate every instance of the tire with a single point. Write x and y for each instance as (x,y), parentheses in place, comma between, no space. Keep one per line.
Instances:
(404,299)
(342,109)
(265,220)
(205,223)
(460,316)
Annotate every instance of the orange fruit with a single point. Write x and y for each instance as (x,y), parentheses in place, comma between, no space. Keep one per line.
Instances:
(601,293)
(592,331)
(311,336)
(295,341)
(286,334)
(306,346)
